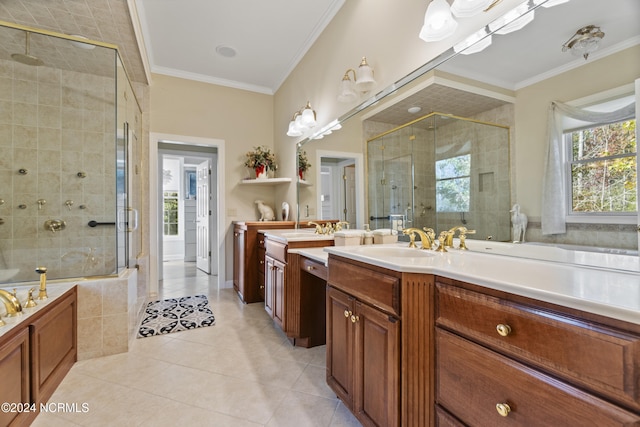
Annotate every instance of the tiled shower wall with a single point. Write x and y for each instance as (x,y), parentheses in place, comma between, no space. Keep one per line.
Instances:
(56,125)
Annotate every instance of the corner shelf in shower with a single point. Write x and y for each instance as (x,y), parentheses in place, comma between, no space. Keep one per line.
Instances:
(267,181)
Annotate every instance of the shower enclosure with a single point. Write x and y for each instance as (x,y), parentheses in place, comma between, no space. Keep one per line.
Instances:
(68,124)
(441,171)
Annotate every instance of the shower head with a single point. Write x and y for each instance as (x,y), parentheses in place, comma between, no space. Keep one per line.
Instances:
(26,58)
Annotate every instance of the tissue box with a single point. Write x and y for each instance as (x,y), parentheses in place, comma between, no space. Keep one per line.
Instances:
(385,235)
(348,237)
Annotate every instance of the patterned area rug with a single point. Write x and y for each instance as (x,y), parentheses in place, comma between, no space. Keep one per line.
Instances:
(175,315)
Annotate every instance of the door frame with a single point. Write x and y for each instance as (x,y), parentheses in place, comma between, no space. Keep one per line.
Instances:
(155,209)
(358,158)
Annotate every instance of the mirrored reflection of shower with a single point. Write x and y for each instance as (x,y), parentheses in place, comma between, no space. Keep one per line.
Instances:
(441,171)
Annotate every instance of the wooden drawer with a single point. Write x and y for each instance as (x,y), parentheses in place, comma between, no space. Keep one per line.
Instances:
(472,380)
(598,358)
(314,267)
(373,287)
(276,250)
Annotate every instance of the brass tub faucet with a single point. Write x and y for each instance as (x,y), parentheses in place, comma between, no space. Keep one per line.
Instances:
(42,294)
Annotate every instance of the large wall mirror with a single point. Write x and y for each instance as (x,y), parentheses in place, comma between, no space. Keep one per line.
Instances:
(495,87)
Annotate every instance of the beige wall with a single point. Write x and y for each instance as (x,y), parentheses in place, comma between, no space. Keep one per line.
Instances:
(242,119)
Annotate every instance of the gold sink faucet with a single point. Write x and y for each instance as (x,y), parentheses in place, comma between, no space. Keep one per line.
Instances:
(426,237)
(462,232)
(339,225)
(11,303)
(318,227)
(42,294)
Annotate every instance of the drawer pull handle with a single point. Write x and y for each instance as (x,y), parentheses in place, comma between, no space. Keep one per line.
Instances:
(503,409)
(310,267)
(354,318)
(347,313)
(261,262)
(503,330)
(261,242)
(261,286)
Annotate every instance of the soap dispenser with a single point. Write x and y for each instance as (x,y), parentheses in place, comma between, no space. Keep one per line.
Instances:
(368,235)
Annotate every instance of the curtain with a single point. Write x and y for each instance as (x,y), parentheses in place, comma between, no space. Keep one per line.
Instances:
(554,184)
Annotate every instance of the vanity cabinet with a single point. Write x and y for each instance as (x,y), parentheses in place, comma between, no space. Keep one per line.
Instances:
(36,355)
(15,384)
(288,299)
(248,257)
(507,360)
(363,342)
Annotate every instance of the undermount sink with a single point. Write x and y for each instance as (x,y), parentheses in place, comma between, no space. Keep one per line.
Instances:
(297,234)
(392,252)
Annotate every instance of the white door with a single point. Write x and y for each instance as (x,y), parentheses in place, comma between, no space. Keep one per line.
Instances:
(350,194)
(203,215)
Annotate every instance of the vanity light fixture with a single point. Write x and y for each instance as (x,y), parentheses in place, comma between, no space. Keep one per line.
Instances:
(438,22)
(302,121)
(513,20)
(363,81)
(475,43)
(584,41)
(468,8)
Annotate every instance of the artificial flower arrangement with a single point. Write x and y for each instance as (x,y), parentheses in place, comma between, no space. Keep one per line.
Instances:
(303,163)
(261,159)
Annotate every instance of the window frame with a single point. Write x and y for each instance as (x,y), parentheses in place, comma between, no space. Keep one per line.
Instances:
(592,217)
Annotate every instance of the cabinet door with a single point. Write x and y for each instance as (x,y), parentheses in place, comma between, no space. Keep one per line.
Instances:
(14,371)
(377,366)
(239,254)
(278,292)
(340,345)
(53,347)
(269,284)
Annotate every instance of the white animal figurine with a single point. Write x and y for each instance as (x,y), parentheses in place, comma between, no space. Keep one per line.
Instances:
(518,223)
(266,213)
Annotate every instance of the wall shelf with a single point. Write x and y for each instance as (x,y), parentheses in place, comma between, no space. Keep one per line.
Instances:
(305,183)
(267,181)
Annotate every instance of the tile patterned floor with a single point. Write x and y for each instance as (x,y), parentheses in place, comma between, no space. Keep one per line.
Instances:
(240,372)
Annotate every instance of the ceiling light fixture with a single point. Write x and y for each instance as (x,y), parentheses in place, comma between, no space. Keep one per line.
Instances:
(302,121)
(363,81)
(414,110)
(584,41)
(226,51)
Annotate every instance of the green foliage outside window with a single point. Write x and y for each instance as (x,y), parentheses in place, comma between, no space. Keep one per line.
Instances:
(604,169)
(453,184)
(170,213)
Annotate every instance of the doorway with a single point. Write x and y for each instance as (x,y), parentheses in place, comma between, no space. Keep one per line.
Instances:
(187,195)
(341,194)
(195,231)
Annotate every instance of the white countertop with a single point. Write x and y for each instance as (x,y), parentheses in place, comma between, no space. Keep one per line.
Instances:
(54,291)
(607,292)
(296,235)
(316,254)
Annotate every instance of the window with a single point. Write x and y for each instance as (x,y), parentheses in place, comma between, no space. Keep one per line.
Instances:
(170,213)
(453,179)
(602,169)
